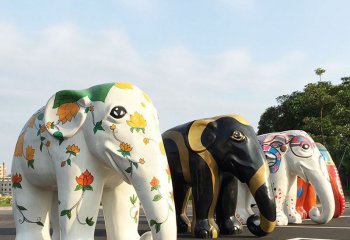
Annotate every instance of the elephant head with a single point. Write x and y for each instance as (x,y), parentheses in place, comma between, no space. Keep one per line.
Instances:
(233,144)
(297,152)
(120,126)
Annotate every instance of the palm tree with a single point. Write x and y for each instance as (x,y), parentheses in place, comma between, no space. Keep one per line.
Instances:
(319,72)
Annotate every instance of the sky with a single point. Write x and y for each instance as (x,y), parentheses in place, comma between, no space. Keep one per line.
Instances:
(196,59)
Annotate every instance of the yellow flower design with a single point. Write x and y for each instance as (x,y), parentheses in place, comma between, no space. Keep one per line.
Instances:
(161,148)
(67,111)
(49,125)
(124,85)
(30,151)
(113,127)
(146,141)
(142,160)
(137,122)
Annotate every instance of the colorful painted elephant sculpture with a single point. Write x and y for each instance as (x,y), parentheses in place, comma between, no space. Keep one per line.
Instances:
(87,146)
(306,197)
(204,156)
(291,154)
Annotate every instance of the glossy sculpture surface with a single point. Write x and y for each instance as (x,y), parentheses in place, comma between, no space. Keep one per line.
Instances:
(306,198)
(291,154)
(204,156)
(87,146)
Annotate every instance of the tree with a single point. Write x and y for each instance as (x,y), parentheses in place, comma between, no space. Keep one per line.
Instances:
(321,109)
(319,72)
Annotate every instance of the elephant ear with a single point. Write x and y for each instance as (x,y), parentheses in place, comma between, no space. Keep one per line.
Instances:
(202,134)
(63,120)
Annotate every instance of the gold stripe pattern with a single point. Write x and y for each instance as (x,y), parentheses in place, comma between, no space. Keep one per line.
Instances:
(259,178)
(266,225)
(183,152)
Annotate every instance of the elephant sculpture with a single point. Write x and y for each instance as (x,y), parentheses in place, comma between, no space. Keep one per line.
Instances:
(84,147)
(204,156)
(306,198)
(290,154)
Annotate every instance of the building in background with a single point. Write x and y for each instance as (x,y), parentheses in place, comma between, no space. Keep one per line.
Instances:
(5,181)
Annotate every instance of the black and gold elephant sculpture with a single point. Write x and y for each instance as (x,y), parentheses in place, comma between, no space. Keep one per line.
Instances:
(205,156)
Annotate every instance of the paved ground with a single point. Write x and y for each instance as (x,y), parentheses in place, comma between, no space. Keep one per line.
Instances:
(336,229)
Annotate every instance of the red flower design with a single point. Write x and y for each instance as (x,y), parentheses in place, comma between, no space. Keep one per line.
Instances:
(17,178)
(84,181)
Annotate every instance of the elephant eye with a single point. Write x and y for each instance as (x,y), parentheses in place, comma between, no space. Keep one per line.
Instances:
(306,146)
(237,136)
(118,112)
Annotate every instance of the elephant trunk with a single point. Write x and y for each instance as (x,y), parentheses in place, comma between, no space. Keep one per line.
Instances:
(325,194)
(259,186)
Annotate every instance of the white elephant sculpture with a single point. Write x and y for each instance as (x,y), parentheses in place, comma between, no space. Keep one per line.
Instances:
(290,154)
(85,147)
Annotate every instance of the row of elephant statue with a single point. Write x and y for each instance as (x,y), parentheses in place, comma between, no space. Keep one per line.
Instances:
(103,144)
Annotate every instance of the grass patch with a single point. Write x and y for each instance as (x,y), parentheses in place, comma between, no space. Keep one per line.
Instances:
(5,201)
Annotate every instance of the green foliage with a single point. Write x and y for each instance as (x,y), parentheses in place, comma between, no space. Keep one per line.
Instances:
(323,110)
(5,201)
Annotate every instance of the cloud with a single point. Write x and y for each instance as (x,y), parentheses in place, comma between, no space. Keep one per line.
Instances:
(183,86)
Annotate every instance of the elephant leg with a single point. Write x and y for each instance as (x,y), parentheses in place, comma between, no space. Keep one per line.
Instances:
(293,215)
(30,208)
(121,212)
(204,194)
(54,219)
(280,189)
(302,190)
(181,197)
(226,207)
(79,203)
(244,200)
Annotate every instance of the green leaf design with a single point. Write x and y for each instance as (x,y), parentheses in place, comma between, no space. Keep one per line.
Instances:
(95,93)
(59,136)
(41,146)
(135,164)
(128,170)
(158,227)
(98,126)
(78,187)
(155,187)
(86,110)
(66,212)
(152,222)
(89,221)
(40,223)
(21,208)
(69,161)
(132,130)
(88,188)
(31,164)
(42,138)
(157,198)
(133,199)
(124,153)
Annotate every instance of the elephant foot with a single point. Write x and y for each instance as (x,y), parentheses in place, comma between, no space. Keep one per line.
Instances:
(231,226)
(302,212)
(202,229)
(183,224)
(294,218)
(281,219)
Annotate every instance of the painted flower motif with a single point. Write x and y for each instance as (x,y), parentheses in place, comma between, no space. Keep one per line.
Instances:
(142,161)
(155,184)
(72,149)
(137,121)
(146,141)
(113,127)
(161,148)
(169,173)
(91,108)
(171,195)
(32,121)
(48,143)
(30,151)
(125,149)
(19,146)
(50,125)
(16,180)
(67,111)
(84,181)
(124,85)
